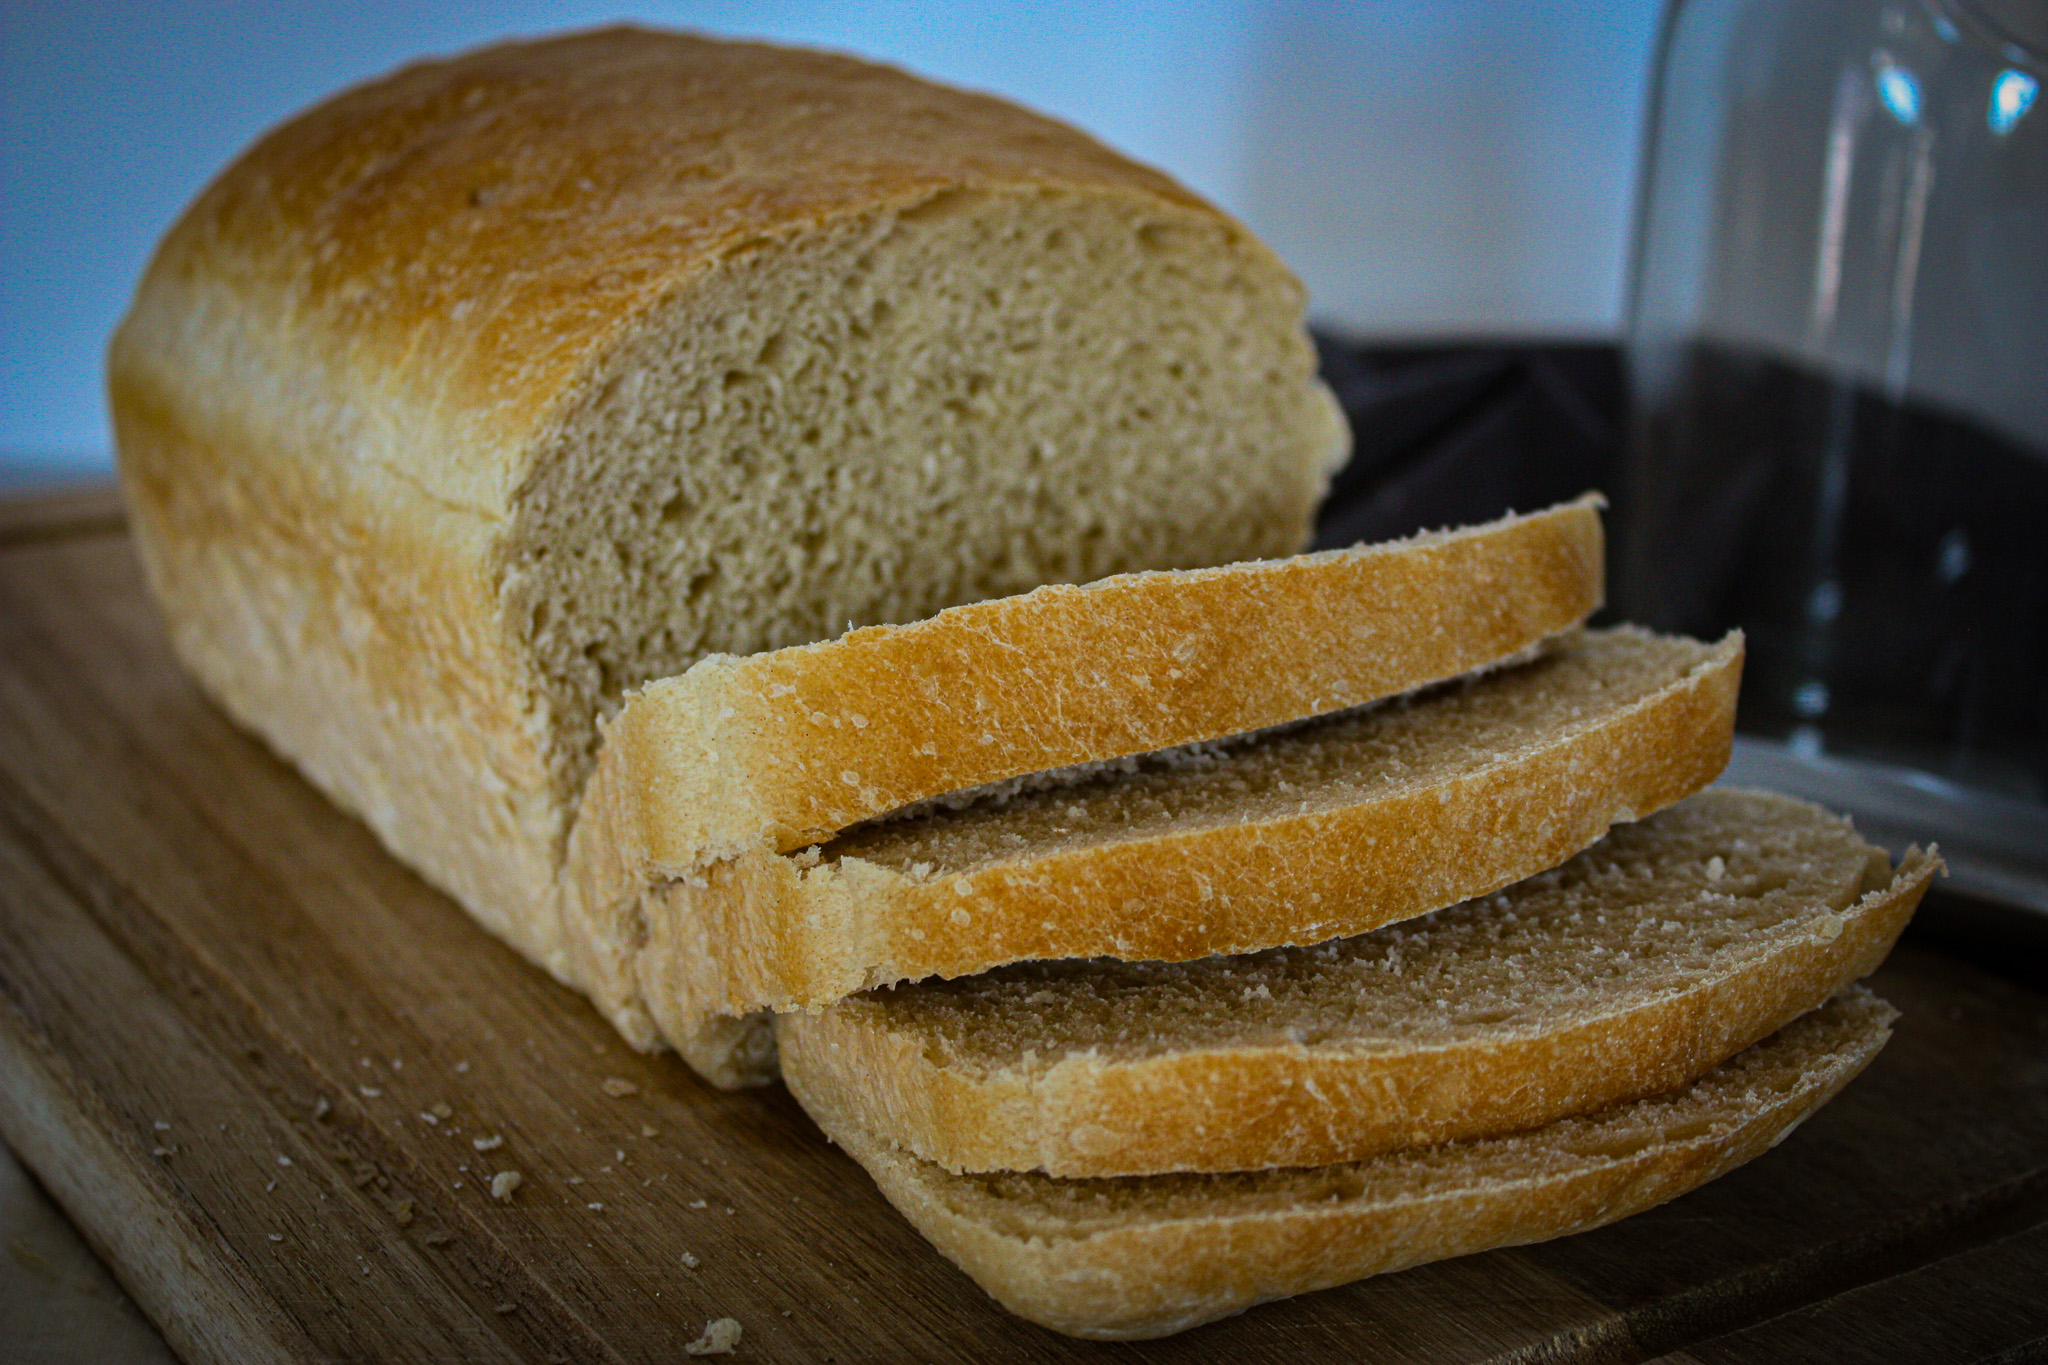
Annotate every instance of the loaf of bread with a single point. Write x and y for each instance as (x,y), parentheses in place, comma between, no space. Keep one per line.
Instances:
(704,897)
(1651,957)
(625,469)
(1145,1256)
(480,394)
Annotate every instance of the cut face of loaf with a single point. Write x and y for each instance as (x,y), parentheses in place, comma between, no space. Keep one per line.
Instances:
(702,904)
(1668,946)
(486,391)
(1150,1255)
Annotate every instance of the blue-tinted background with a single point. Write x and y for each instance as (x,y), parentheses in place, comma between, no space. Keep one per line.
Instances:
(1433,167)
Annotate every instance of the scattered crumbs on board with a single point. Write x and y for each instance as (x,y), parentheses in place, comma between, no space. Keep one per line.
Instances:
(721,1338)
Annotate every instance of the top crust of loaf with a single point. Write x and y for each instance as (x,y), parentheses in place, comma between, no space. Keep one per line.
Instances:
(599,172)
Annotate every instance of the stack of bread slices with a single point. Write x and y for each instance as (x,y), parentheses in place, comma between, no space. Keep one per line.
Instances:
(1188,940)
(504,439)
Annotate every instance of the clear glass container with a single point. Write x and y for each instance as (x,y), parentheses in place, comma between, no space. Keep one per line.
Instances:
(1838,367)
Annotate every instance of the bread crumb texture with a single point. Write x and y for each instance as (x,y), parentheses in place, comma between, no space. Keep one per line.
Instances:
(932,403)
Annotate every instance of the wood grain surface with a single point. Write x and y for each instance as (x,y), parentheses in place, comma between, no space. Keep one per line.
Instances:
(254,1058)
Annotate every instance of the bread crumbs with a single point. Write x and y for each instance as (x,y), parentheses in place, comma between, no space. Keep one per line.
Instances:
(721,1338)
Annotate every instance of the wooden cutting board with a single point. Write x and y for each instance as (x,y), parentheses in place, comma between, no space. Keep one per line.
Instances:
(271,1075)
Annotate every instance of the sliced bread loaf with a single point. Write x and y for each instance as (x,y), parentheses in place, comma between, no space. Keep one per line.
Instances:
(485,391)
(1145,1256)
(1336,827)
(1666,947)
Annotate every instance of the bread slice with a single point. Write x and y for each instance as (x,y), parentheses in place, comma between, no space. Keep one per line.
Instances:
(1145,1256)
(483,392)
(1665,948)
(700,902)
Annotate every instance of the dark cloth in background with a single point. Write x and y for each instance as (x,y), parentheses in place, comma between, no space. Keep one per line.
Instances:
(1455,433)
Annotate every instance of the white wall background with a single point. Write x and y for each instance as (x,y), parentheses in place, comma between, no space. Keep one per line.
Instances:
(1431,167)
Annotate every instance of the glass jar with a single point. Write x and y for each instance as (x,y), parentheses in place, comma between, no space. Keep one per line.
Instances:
(1838,367)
